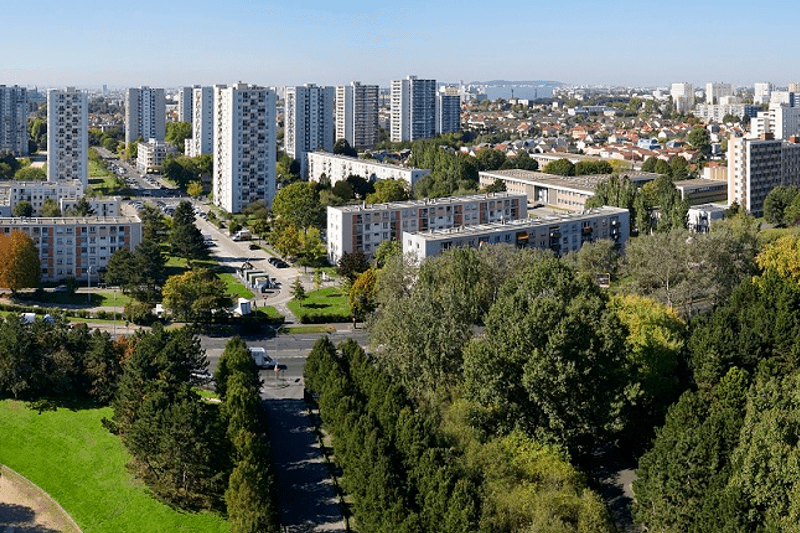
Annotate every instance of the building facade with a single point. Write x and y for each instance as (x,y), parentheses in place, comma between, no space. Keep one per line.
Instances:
(308,122)
(756,166)
(76,247)
(36,193)
(413,109)
(68,136)
(365,227)
(145,114)
(560,233)
(151,154)
(682,97)
(339,167)
(762,92)
(448,110)
(716,91)
(357,115)
(185,102)
(244,146)
(202,140)
(14,120)
(717,112)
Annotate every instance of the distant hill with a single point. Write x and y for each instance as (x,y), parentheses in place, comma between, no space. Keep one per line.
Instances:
(506,82)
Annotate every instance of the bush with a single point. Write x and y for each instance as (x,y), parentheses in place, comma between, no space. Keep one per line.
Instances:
(139,313)
(310,317)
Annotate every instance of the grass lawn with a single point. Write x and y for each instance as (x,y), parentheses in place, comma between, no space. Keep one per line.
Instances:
(312,328)
(105,299)
(235,286)
(269,313)
(82,466)
(327,302)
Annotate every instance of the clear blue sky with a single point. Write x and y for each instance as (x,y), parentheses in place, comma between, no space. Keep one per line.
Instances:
(168,43)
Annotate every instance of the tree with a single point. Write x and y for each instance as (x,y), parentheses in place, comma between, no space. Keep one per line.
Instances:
(525,162)
(298,205)
(185,239)
(82,208)
(351,264)
(390,190)
(23,209)
(30,174)
(194,189)
(498,186)
(777,201)
(587,167)
(560,167)
(362,295)
(197,295)
(286,239)
(385,251)
(312,251)
(19,262)
(249,498)
(549,361)
(235,359)
(342,147)
(298,292)
(177,133)
(700,140)
(50,208)
(490,159)
(783,257)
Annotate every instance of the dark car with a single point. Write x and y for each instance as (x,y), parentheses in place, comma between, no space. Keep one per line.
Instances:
(254,247)
(280,263)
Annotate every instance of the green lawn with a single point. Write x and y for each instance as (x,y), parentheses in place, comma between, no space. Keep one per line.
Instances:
(269,314)
(105,299)
(82,466)
(325,305)
(235,287)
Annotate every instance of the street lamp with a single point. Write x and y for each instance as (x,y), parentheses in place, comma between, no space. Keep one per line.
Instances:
(89,282)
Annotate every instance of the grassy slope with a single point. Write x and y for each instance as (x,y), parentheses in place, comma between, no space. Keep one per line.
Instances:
(329,300)
(82,466)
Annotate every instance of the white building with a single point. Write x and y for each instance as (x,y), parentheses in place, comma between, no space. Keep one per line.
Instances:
(185,102)
(101,207)
(36,193)
(779,121)
(762,92)
(756,166)
(244,146)
(308,122)
(357,114)
(365,227)
(413,109)
(716,112)
(701,217)
(716,91)
(145,114)
(339,167)
(151,154)
(448,110)
(782,98)
(560,233)
(202,140)
(682,97)
(14,120)
(68,136)
(76,247)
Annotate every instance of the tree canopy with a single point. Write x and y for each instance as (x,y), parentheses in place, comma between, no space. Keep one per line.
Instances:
(20,267)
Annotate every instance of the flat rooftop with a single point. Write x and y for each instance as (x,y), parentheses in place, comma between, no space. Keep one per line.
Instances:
(521,224)
(700,183)
(587,183)
(430,202)
(374,162)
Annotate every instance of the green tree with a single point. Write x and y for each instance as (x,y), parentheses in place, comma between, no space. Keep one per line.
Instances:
(700,140)
(298,292)
(560,167)
(388,191)
(235,359)
(777,201)
(298,205)
(361,297)
(185,239)
(351,264)
(30,174)
(177,133)
(194,189)
(342,147)
(385,251)
(549,361)
(249,498)
(525,162)
(50,208)
(19,259)
(23,209)
(490,159)
(196,296)
(82,208)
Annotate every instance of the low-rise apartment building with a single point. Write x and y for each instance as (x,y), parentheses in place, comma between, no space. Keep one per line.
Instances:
(560,233)
(702,191)
(35,193)
(151,154)
(76,247)
(365,226)
(339,167)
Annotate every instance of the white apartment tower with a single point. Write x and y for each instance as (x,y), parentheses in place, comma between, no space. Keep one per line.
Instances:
(202,140)
(716,91)
(682,97)
(308,121)
(145,114)
(185,104)
(448,110)
(761,92)
(68,135)
(413,109)
(14,120)
(244,146)
(357,114)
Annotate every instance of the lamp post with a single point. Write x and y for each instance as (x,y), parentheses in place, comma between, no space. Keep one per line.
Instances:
(89,282)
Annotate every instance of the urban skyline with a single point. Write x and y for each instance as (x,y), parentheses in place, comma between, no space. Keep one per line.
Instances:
(180,43)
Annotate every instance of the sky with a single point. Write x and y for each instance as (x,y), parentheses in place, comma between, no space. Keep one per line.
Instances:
(171,43)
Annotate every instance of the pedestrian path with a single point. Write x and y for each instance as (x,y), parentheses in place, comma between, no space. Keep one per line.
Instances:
(305,490)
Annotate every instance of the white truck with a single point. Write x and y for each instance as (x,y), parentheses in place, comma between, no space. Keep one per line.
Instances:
(242,235)
(261,358)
